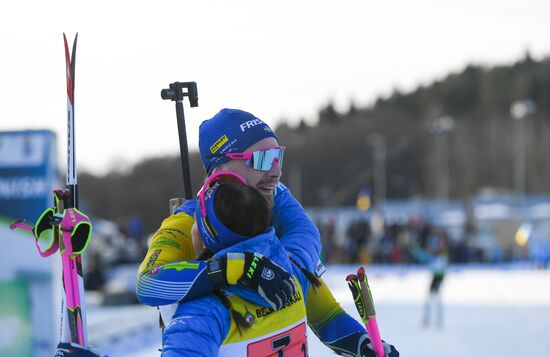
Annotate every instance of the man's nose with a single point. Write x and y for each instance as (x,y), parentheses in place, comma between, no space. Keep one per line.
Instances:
(275,168)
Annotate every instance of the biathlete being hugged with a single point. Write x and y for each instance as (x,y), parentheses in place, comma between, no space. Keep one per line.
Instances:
(236,141)
(233,218)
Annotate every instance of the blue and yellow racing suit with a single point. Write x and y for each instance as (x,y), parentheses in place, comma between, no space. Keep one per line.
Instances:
(204,327)
(168,273)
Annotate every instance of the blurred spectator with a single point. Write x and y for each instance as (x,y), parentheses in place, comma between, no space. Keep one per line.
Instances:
(135,227)
(371,239)
(358,234)
(327,229)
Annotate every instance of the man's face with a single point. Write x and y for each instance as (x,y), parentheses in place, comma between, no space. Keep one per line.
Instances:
(264,181)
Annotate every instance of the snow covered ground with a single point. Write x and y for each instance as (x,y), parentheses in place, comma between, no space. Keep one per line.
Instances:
(489,311)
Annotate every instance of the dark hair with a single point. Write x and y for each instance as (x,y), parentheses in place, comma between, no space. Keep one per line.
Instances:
(242,208)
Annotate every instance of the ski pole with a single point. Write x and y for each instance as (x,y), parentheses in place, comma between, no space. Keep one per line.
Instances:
(176,94)
(364,303)
(69,232)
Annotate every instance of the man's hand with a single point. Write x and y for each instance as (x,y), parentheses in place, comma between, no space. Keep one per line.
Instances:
(368,351)
(75,350)
(272,282)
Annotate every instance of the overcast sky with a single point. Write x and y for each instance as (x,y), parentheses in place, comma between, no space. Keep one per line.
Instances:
(277,59)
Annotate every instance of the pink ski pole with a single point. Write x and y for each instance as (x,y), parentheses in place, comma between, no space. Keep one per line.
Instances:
(75,234)
(371,324)
(362,298)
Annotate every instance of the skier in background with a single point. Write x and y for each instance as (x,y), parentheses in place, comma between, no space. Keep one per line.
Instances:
(436,256)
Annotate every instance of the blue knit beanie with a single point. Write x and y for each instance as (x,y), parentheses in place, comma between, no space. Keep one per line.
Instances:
(231,130)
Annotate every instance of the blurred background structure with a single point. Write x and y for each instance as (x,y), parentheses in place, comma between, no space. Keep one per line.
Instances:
(401,142)
(450,158)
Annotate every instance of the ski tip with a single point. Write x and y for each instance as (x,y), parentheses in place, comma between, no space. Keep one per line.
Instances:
(65,37)
(351,277)
(361,273)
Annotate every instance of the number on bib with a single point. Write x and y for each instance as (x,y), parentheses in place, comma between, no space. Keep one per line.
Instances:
(290,343)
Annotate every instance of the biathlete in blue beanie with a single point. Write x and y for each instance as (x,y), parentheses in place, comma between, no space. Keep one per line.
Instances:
(237,141)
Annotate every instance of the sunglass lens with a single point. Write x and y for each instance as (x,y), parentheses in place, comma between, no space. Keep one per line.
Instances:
(262,160)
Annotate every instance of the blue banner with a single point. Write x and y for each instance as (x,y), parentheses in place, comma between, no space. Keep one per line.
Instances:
(27,173)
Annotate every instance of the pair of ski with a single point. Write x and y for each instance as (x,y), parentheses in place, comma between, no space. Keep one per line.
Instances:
(364,303)
(65,229)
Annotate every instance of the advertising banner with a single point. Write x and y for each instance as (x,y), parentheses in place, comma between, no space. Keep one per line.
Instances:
(29,284)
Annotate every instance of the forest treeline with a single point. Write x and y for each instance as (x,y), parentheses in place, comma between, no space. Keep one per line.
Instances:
(329,162)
